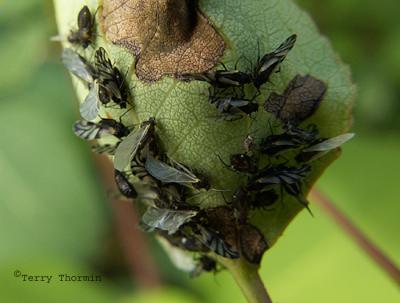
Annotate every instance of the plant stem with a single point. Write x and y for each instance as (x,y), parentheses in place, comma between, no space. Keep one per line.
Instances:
(373,251)
(248,279)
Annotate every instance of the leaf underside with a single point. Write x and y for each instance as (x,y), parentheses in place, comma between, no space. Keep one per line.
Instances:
(188,126)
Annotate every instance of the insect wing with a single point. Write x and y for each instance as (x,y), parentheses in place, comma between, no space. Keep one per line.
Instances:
(168,174)
(218,245)
(86,130)
(128,148)
(90,107)
(77,65)
(165,219)
(108,149)
(271,60)
(330,144)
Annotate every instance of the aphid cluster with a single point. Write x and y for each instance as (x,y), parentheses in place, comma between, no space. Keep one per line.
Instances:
(163,186)
(227,92)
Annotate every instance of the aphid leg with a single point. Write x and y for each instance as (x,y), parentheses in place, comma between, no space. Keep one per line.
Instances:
(222,161)
(127,111)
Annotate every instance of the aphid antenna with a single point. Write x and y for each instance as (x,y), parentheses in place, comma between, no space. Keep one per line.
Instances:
(305,204)
(226,165)
(127,111)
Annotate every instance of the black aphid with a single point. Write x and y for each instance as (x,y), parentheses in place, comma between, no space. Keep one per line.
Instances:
(133,143)
(298,102)
(243,163)
(234,109)
(221,78)
(263,199)
(270,61)
(90,131)
(287,178)
(204,264)
(123,185)
(293,138)
(84,34)
(112,84)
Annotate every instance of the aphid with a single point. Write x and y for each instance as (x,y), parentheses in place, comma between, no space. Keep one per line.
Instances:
(263,199)
(217,244)
(133,143)
(298,102)
(90,131)
(288,178)
(108,149)
(84,34)
(234,109)
(167,219)
(204,264)
(243,163)
(111,80)
(293,138)
(270,61)
(252,243)
(169,174)
(78,65)
(123,185)
(221,78)
(319,149)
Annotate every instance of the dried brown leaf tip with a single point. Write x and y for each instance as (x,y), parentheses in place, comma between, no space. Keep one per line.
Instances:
(169,37)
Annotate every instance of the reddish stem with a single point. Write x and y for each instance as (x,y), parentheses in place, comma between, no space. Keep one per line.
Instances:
(132,240)
(374,252)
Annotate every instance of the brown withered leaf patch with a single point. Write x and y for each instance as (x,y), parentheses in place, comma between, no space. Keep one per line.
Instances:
(252,243)
(299,101)
(169,37)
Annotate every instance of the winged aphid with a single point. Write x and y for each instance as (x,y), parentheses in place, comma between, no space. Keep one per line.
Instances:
(133,143)
(270,62)
(111,81)
(87,130)
(167,219)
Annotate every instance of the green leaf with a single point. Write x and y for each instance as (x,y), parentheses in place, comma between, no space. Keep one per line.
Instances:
(186,123)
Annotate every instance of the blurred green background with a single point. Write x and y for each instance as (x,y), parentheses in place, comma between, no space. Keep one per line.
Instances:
(54,218)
